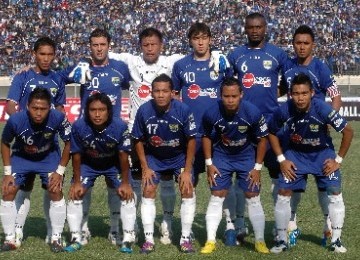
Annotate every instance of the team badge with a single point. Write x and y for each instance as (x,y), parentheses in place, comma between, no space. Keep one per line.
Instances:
(267,64)
(214,75)
(115,80)
(53,91)
(314,128)
(47,135)
(242,128)
(110,145)
(174,127)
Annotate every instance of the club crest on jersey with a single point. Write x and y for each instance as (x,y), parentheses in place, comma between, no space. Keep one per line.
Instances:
(314,128)
(53,91)
(214,75)
(144,91)
(174,127)
(242,128)
(47,135)
(267,64)
(193,91)
(115,80)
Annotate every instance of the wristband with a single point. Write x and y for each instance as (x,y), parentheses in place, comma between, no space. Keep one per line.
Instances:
(338,159)
(7,170)
(281,158)
(208,162)
(60,170)
(258,166)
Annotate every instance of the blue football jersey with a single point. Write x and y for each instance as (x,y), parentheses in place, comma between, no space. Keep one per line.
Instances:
(258,72)
(321,77)
(25,82)
(199,84)
(233,134)
(36,142)
(100,149)
(307,131)
(164,134)
(109,79)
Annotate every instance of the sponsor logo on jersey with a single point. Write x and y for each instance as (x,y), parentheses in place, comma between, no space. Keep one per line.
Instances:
(248,80)
(156,141)
(267,64)
(144,91)
(233,143)
(295,138)
(30,149)
(174,127)
(314,128)
(193,91)
(93,92)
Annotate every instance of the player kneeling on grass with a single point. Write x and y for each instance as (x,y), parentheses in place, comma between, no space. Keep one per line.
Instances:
(99,147)
(234,122)
(35,150)
(309,151)
(164,133)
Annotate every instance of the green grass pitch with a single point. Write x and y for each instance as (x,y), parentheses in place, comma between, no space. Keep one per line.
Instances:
(310,220)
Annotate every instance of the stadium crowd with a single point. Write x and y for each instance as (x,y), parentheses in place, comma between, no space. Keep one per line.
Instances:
(70,22)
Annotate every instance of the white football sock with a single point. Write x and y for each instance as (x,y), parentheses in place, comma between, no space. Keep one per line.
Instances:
(282,216)
(128,218)
(46,207)
(168,198)
(86,208)
(213,216)
(294,203)
(136,185)
(187,214)
(337,215)
(74,217)
(240,209)
(257,217)
(22,202)
(229,207)
(114,203)
(148,213)
(8,216)
(57,214)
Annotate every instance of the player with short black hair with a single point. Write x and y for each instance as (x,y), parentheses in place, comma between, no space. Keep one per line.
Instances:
(309,151)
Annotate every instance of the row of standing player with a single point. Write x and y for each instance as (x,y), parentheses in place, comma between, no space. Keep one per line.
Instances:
(252,69)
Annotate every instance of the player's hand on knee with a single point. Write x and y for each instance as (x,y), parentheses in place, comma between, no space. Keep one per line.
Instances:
(212,173)
(55,182)
(8,184)
(147,177)
(125,192)
(185,183)
(288,169)
(81,73)
(254,178)
(76,191)
(330,166)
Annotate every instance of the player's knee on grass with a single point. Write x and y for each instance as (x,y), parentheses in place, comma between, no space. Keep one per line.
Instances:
(250,195)
(285,192)
(55,195)
(11,193)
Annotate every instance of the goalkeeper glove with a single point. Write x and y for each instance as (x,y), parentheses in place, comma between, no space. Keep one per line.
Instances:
(219,61)
(81,73)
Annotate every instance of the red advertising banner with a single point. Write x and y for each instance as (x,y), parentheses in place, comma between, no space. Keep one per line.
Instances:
(350,109)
